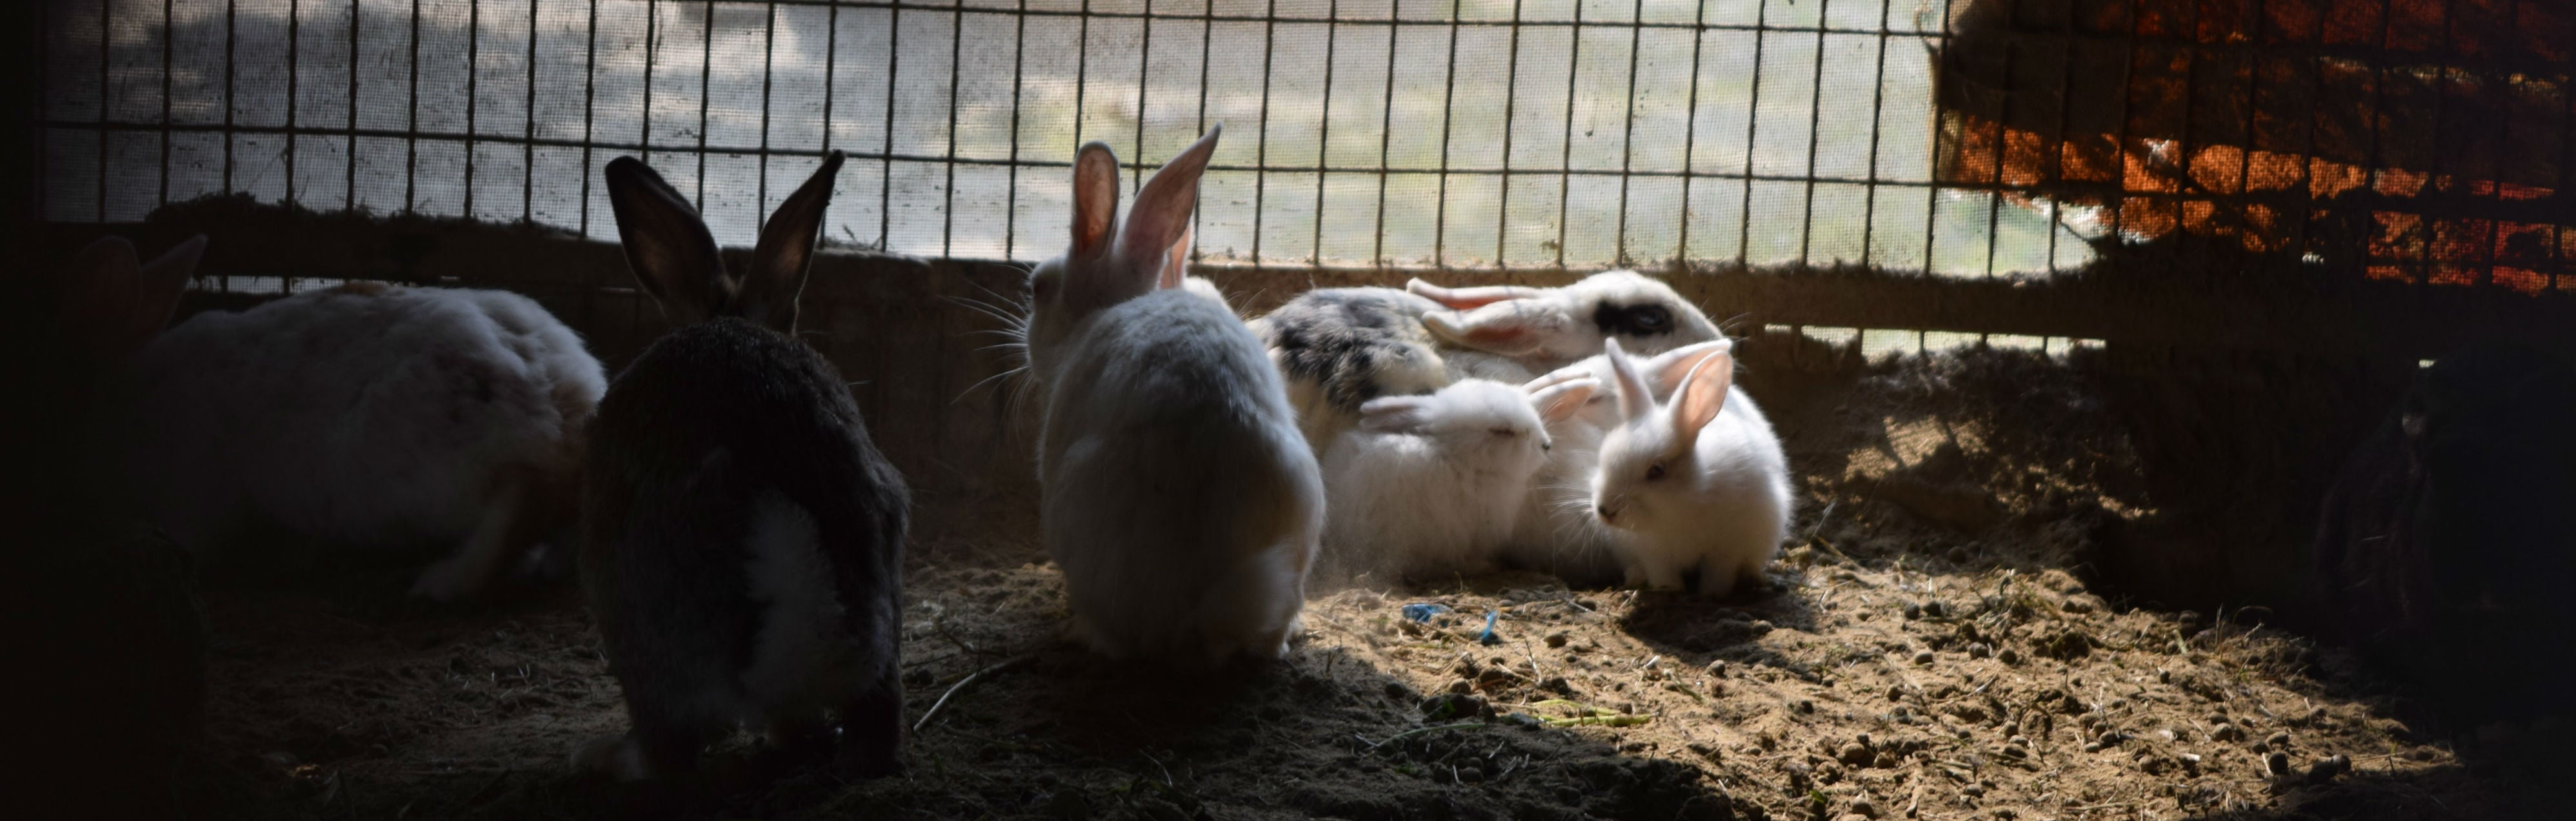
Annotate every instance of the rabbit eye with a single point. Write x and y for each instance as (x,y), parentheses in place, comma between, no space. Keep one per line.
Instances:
(1503,431)
(1655,472)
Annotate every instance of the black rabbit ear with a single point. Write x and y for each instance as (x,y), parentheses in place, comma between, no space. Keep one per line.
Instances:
(1095,198)
(667,245)
(786,251)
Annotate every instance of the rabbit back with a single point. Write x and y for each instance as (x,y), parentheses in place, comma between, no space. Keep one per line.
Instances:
(742,536)
(361,414)
(1176,482)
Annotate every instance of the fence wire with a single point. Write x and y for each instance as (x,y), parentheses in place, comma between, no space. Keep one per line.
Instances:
(1395,132)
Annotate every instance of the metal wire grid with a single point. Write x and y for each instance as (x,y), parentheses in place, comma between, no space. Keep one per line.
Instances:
(1453,134)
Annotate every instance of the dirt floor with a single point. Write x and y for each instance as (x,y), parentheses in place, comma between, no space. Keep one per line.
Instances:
(1925,652)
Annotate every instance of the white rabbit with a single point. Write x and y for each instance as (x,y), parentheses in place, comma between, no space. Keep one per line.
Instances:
(1541,329)
(1340,347)
(368,414)
(1699,481)
(1557,531)
(1177,494)
(1428,486)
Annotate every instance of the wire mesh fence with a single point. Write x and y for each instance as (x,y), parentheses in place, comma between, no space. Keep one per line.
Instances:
(1963,137)
(1456,134)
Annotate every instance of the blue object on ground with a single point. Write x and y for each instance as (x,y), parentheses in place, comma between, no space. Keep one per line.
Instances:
(1423,612)
(1488,636)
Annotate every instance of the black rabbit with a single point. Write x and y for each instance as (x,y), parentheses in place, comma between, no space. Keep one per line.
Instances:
(2447,544)
(741,536)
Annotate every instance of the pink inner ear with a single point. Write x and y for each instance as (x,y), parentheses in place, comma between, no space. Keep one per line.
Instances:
(1176,263)
(1095,197)
(1703,393)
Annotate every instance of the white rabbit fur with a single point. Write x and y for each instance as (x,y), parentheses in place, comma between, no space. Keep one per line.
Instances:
(1340,347)
(1427,486)
(1557,531)
(364,414)
(1177,494)
(1536,330)
(1699,481)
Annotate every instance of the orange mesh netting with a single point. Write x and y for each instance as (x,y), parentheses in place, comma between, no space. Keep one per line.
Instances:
(2426,140)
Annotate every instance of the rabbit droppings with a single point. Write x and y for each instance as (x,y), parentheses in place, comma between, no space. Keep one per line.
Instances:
(1699,481)
(1177,494)
(366,414)
(741,536)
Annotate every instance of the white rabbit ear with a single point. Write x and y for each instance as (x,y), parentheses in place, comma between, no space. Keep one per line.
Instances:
(1461,299)
(1176,263)
(1635,402)
(1512,327)
(1396,414)
(1557,377)
(786,251)
(1095,198)
(114,304)
(1159,222)
(1666,370)
(1559,402)
(667,245)
(1702,393)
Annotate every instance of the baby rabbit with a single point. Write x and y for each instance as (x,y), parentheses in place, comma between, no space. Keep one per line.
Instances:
(741,537)
(1177,494)
(1429,486)
(368,414)
(1557,531)
(1340,347)
(1697,481)
(1542,329)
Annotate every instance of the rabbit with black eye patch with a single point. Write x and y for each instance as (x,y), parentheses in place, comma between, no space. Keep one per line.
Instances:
(1699,481)
(1429,486)
(1176,492)
(1340,347)
(742,538)
(1542,329)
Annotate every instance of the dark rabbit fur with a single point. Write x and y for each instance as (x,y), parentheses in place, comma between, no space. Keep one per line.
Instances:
(2448,544)
(741,536)
(103,611)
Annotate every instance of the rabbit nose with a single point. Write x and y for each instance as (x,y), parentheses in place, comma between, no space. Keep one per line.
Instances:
(1606,513)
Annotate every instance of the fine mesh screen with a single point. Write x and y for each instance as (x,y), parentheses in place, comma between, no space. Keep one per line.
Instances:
(1459,134)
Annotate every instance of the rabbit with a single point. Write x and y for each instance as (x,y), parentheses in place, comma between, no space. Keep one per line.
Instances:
(1176,492)
(2447,542)
(1557,531)
(1699,481)
(1341,347)
(366,414)
(123,630)
(1542,329)
(1429,486)
(742,537)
